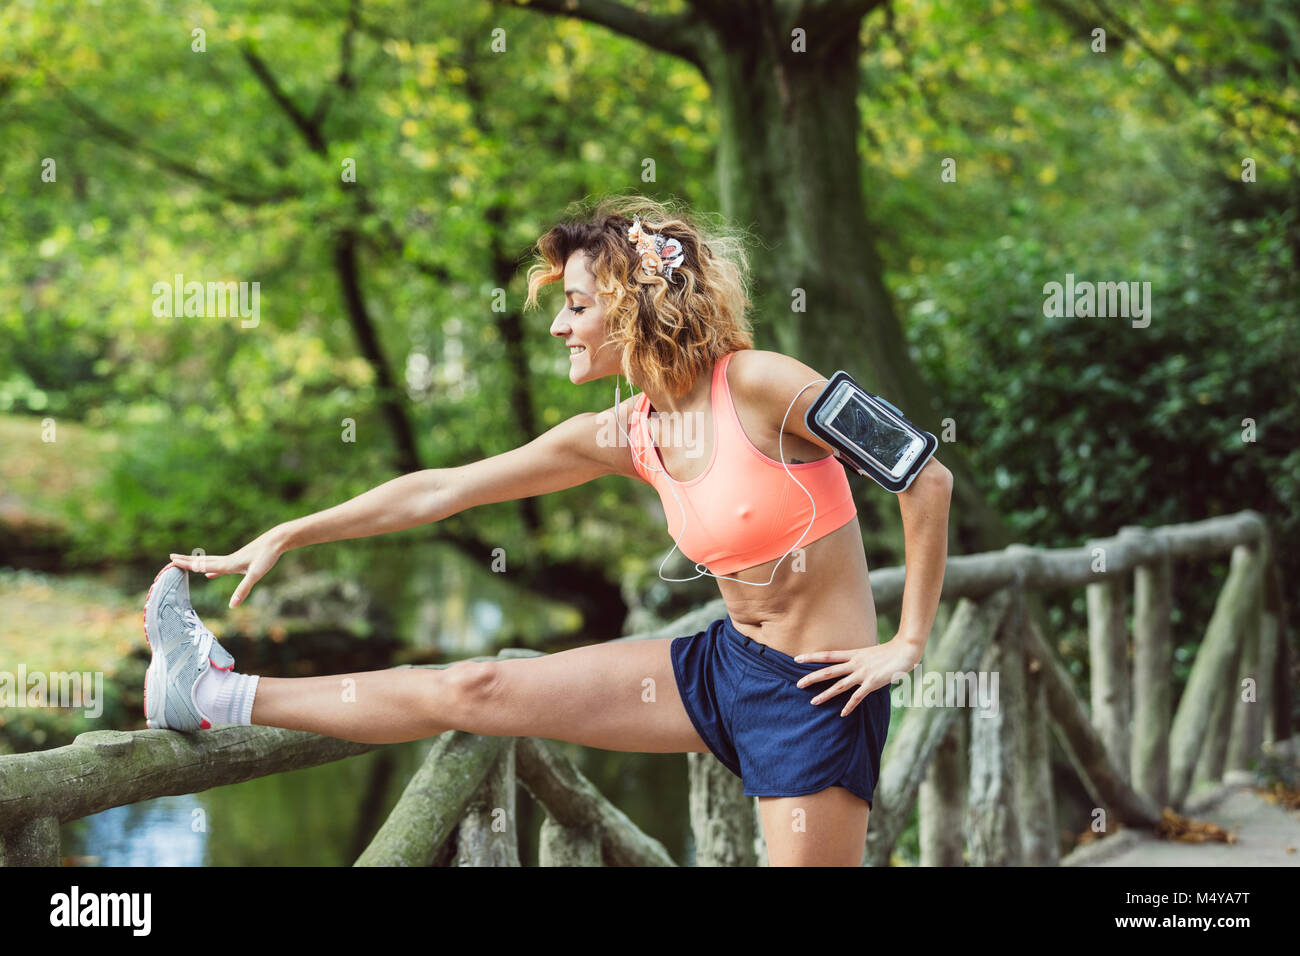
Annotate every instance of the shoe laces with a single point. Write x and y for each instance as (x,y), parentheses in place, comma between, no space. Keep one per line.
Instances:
(198,632)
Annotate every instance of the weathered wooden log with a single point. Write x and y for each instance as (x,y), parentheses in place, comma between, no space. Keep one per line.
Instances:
(994,813)
(115,768)
(1087,754)
(1108,676)
(941,800)
(434,801)
(1215,664)
(110,768)
(488,835)
(1045,569)
(1230,699)
(1214,749)
(34,842)
(722,817)
(447,853)
(1269,652)
(1037,798)
(1212,759)
(1153,665)
(559,845)
(573,801)
(923,728)
(1246,734)
(1277,719)
(760,840)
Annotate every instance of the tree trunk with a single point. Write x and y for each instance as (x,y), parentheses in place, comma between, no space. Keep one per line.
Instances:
(788,165)
(785,81)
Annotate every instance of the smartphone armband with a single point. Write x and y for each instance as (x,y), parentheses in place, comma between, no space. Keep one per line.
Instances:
(854,455)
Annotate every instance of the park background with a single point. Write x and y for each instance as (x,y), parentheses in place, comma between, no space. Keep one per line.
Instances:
(396,301)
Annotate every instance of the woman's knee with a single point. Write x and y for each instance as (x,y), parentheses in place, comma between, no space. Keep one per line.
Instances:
(472,687)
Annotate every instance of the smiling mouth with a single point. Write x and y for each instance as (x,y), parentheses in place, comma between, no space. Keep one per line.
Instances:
(576,349)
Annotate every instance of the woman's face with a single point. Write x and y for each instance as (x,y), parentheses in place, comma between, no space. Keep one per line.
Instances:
(581,324)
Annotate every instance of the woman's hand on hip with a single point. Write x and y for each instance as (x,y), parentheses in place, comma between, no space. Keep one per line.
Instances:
(871,667)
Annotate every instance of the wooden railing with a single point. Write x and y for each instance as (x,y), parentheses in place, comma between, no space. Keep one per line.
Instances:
(982,779)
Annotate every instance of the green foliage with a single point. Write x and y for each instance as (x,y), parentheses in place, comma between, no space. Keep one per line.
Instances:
(1124,424)
(1122,165)
(174,489)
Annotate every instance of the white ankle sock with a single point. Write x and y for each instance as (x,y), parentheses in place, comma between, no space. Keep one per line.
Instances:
(226,697)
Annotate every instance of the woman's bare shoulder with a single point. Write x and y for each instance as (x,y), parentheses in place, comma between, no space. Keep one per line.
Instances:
(779,389)
(763,376)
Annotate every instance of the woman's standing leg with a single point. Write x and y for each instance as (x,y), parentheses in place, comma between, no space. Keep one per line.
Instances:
(828,828)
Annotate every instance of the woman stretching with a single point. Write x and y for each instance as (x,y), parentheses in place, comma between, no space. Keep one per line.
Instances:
(790,690)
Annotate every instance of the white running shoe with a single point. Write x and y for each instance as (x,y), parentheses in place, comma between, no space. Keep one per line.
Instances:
(183,650)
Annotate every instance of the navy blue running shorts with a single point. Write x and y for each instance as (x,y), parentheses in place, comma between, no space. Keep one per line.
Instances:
(742,699)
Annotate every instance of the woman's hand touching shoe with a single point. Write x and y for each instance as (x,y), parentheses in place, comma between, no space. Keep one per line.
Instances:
(252,560)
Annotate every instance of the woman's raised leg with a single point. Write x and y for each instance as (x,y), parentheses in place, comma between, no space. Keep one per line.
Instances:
(614,696)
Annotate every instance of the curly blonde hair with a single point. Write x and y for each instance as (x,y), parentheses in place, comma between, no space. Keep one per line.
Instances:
(671,331)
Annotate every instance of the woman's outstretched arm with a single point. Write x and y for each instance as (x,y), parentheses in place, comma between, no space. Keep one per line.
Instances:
(573,452)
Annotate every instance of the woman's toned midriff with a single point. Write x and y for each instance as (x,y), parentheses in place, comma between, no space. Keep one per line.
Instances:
(826,606)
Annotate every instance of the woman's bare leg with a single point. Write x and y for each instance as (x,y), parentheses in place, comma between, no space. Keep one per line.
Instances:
(615,696)
(374,707)
(828,828)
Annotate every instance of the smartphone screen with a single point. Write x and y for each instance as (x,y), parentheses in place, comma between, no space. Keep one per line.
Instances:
(876,435)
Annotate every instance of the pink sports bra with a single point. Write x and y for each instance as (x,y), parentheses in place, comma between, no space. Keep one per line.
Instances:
(744,509)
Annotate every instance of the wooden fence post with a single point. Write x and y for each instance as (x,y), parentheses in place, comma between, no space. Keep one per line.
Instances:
(559,845)
(722,817)
(1215,660)
(925,723)
(760,841)
(1214,748)
(34,842)
(488,835)
(941,798)
(993,817)
(573,802)
(1153,665)
(1277,718)
(1079,741)
(1108,679)
(1270,650)
(432,804)
(1246,737)
(1037,798)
